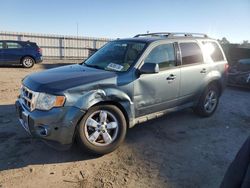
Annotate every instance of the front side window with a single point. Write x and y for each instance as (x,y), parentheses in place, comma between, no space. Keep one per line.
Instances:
(1,45)
(116,56)
(212,49)
(191,53)
(13,45)
(164,55)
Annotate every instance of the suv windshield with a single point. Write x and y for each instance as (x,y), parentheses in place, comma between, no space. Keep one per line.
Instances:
(116,56)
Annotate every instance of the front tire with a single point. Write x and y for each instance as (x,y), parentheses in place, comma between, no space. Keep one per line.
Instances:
(102,129)
(28,62)
(208,101)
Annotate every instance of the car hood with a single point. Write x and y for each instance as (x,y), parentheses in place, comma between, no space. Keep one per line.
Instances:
(62,78)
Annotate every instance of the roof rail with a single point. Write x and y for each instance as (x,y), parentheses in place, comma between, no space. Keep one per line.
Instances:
(169,35)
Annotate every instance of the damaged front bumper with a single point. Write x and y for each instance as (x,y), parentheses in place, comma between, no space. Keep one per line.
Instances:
(56,125)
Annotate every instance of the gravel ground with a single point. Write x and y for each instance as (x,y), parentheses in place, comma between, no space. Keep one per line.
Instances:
(175,151)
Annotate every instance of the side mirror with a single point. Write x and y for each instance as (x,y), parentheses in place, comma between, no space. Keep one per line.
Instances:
(149,68)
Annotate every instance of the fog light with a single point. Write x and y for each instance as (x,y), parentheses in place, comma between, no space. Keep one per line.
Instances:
(42,131)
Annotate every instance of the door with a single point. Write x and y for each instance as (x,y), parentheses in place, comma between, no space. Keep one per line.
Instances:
(193,71)
(1,52)
(158,91)
(12,52)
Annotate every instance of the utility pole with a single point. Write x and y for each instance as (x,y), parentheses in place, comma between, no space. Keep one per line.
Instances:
(77,40)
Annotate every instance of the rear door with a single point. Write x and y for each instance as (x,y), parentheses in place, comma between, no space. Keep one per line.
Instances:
(13,52)
(193,70)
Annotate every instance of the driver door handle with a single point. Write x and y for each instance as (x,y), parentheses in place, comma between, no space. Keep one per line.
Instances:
(171,77)
(203,71)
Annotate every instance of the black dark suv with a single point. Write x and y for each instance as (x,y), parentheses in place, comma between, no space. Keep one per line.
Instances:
(25,53)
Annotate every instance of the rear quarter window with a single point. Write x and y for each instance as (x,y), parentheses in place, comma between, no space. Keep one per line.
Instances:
(31,45)
(191,53)
(213,50)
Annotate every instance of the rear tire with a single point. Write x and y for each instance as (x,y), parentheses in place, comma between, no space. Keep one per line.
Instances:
(27,62)
(102,129)
(208,101)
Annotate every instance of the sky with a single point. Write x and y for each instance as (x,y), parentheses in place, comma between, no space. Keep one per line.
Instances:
(121,19)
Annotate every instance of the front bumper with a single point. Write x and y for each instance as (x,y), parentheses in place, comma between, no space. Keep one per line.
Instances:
(56,125)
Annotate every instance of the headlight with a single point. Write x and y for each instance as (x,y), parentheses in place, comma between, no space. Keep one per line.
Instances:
(46,101)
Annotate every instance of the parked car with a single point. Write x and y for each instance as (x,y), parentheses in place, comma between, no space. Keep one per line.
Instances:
(25,53)
(126,82)
(239,74)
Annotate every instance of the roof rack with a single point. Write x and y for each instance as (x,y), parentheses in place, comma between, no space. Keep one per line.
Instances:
(169,35)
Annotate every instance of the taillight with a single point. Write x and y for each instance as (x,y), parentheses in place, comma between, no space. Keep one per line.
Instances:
(226,67)
(39,50)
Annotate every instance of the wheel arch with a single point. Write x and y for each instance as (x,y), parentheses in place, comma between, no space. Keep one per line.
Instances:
(215,82)
(118,105)
(114,103)
(218,84)
(27,56)
(109,96)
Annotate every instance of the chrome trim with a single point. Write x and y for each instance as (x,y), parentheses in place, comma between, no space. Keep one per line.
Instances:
(28,98)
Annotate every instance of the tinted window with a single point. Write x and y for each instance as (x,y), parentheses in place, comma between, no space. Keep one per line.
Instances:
(163,54)
(213,50)
(1,45)
(13,45)
(191,53)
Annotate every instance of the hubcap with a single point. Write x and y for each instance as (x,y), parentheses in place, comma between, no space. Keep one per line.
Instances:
(101,128)
(28,62)
(210,101)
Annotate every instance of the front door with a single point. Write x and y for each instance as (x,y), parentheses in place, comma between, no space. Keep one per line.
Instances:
(158,91)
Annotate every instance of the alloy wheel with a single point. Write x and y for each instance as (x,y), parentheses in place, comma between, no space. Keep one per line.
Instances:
(101,128)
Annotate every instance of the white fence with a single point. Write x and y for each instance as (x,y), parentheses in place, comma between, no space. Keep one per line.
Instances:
(58,46)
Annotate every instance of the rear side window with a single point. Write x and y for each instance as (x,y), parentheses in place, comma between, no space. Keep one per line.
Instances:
(213,50)
(164,55)
(191,53)
(31,44)
(13,45)
(1,45)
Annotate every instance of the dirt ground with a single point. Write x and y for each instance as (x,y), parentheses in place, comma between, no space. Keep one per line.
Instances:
(178,150)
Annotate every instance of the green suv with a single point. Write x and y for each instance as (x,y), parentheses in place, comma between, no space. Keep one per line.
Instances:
(126,82)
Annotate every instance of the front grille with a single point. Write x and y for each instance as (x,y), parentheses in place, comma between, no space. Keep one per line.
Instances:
(28,98)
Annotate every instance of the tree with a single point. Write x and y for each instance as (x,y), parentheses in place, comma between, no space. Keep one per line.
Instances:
(245,44)
(223,41)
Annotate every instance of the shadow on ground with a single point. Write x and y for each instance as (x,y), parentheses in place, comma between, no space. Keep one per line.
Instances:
(18,149)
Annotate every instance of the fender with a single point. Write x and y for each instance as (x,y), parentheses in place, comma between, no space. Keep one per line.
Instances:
(112,95)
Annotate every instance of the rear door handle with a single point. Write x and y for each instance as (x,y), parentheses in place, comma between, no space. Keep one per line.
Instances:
(171,77)
(203,71)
